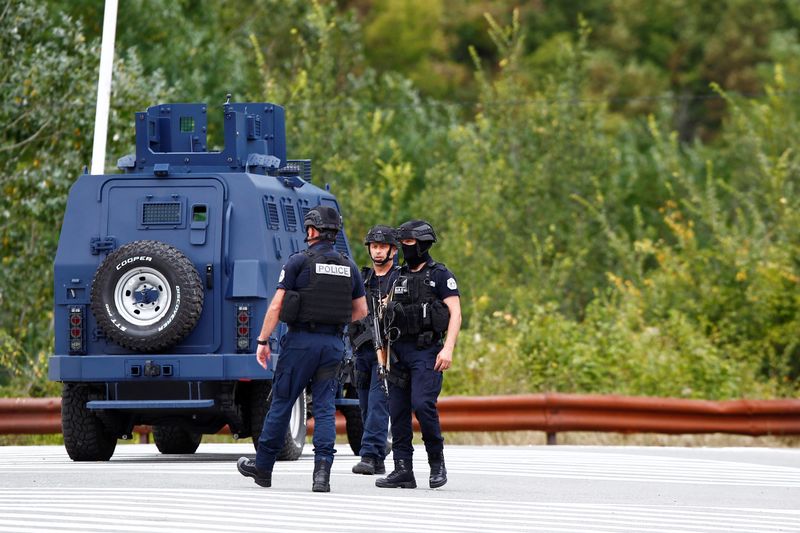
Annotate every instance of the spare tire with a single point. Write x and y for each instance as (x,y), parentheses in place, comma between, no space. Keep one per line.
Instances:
(147,296)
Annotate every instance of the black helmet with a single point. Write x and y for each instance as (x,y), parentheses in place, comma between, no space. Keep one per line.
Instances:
(416,229)
(381,233)
(323,218)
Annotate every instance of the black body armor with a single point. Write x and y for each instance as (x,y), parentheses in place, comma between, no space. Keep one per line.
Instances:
(416,311)
(328,297)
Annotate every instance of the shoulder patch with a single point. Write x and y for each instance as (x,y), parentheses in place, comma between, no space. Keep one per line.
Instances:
(451,284)
(283,275)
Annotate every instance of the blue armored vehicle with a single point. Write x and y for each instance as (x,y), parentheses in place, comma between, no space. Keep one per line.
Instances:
(163,274)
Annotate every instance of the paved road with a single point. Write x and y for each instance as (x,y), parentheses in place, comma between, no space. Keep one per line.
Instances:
(557,488)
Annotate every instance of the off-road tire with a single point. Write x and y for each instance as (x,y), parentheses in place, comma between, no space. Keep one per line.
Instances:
(354,425)
(295,438)
(167,275)
(86,438)
(258,399)
(176,440)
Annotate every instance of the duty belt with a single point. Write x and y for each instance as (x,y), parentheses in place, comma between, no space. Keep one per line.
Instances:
(424,339)
(326,329)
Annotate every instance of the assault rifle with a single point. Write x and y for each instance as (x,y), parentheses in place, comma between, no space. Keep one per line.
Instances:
(381,349)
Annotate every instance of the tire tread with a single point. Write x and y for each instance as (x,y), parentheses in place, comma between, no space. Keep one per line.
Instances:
(85,436)
(192,296)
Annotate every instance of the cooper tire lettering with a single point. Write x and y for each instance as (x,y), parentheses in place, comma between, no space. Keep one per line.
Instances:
(132,259)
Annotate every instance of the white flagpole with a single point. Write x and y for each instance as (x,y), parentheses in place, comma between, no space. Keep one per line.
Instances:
(104,87)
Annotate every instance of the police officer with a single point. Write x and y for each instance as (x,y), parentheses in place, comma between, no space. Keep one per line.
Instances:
(319,291)
(382,247)
(425,316)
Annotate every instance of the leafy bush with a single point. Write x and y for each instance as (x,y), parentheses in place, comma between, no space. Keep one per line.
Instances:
(597,249)
(48,68)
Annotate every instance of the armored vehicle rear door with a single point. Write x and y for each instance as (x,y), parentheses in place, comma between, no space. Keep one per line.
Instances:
(184,212)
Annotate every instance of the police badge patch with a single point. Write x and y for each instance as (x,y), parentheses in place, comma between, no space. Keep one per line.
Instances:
(280,278)
(451,284)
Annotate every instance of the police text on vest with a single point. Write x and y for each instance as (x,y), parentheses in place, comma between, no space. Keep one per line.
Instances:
(333,270)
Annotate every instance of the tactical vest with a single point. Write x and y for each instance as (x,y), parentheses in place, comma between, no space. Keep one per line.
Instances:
(416,309)
(328,298)
(380,290)
(367,274)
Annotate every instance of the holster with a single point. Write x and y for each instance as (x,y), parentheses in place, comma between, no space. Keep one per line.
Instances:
(362,379)
(398,377)
(338,371)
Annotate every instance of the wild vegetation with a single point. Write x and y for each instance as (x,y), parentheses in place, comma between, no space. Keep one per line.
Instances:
(612,181)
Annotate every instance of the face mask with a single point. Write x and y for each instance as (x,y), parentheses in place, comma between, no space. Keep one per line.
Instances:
(415,254)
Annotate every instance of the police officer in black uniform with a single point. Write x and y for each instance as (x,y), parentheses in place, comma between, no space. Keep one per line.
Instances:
(319,292)
(382,247)
(425,316)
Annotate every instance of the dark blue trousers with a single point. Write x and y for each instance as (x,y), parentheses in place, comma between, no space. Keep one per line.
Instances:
(374,406)
(420,396)
(302,354)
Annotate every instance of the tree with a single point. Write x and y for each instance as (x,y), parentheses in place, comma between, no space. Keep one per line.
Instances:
(49,73)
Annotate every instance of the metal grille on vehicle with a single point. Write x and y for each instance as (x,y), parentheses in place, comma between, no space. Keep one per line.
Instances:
(341,244)
(161,213)
(291,217)
(271,209)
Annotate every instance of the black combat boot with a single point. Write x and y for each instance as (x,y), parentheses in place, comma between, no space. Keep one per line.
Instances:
(322,476)
(247,468)
(369,466)
(402,476)
(438,470)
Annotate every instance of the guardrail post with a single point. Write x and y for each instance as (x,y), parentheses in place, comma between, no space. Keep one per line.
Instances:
(551,438)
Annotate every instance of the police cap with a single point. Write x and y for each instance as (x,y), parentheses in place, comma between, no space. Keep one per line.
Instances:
(323,218)
(416,229)
(381,233)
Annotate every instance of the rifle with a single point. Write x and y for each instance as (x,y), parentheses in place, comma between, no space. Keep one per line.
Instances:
(381,350)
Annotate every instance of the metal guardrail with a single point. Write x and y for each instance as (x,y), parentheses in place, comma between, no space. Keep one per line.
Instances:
(551,413)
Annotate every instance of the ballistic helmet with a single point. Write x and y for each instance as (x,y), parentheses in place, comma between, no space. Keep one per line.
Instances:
(416,229)
(381,233)
(323,218)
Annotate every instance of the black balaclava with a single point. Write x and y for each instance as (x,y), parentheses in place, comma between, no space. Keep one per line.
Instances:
(416,254)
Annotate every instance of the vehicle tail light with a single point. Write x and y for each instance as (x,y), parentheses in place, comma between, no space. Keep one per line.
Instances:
(243,328)
(77,330)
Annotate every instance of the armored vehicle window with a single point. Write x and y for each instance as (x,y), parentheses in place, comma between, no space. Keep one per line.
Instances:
(199,213)
(187,124)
